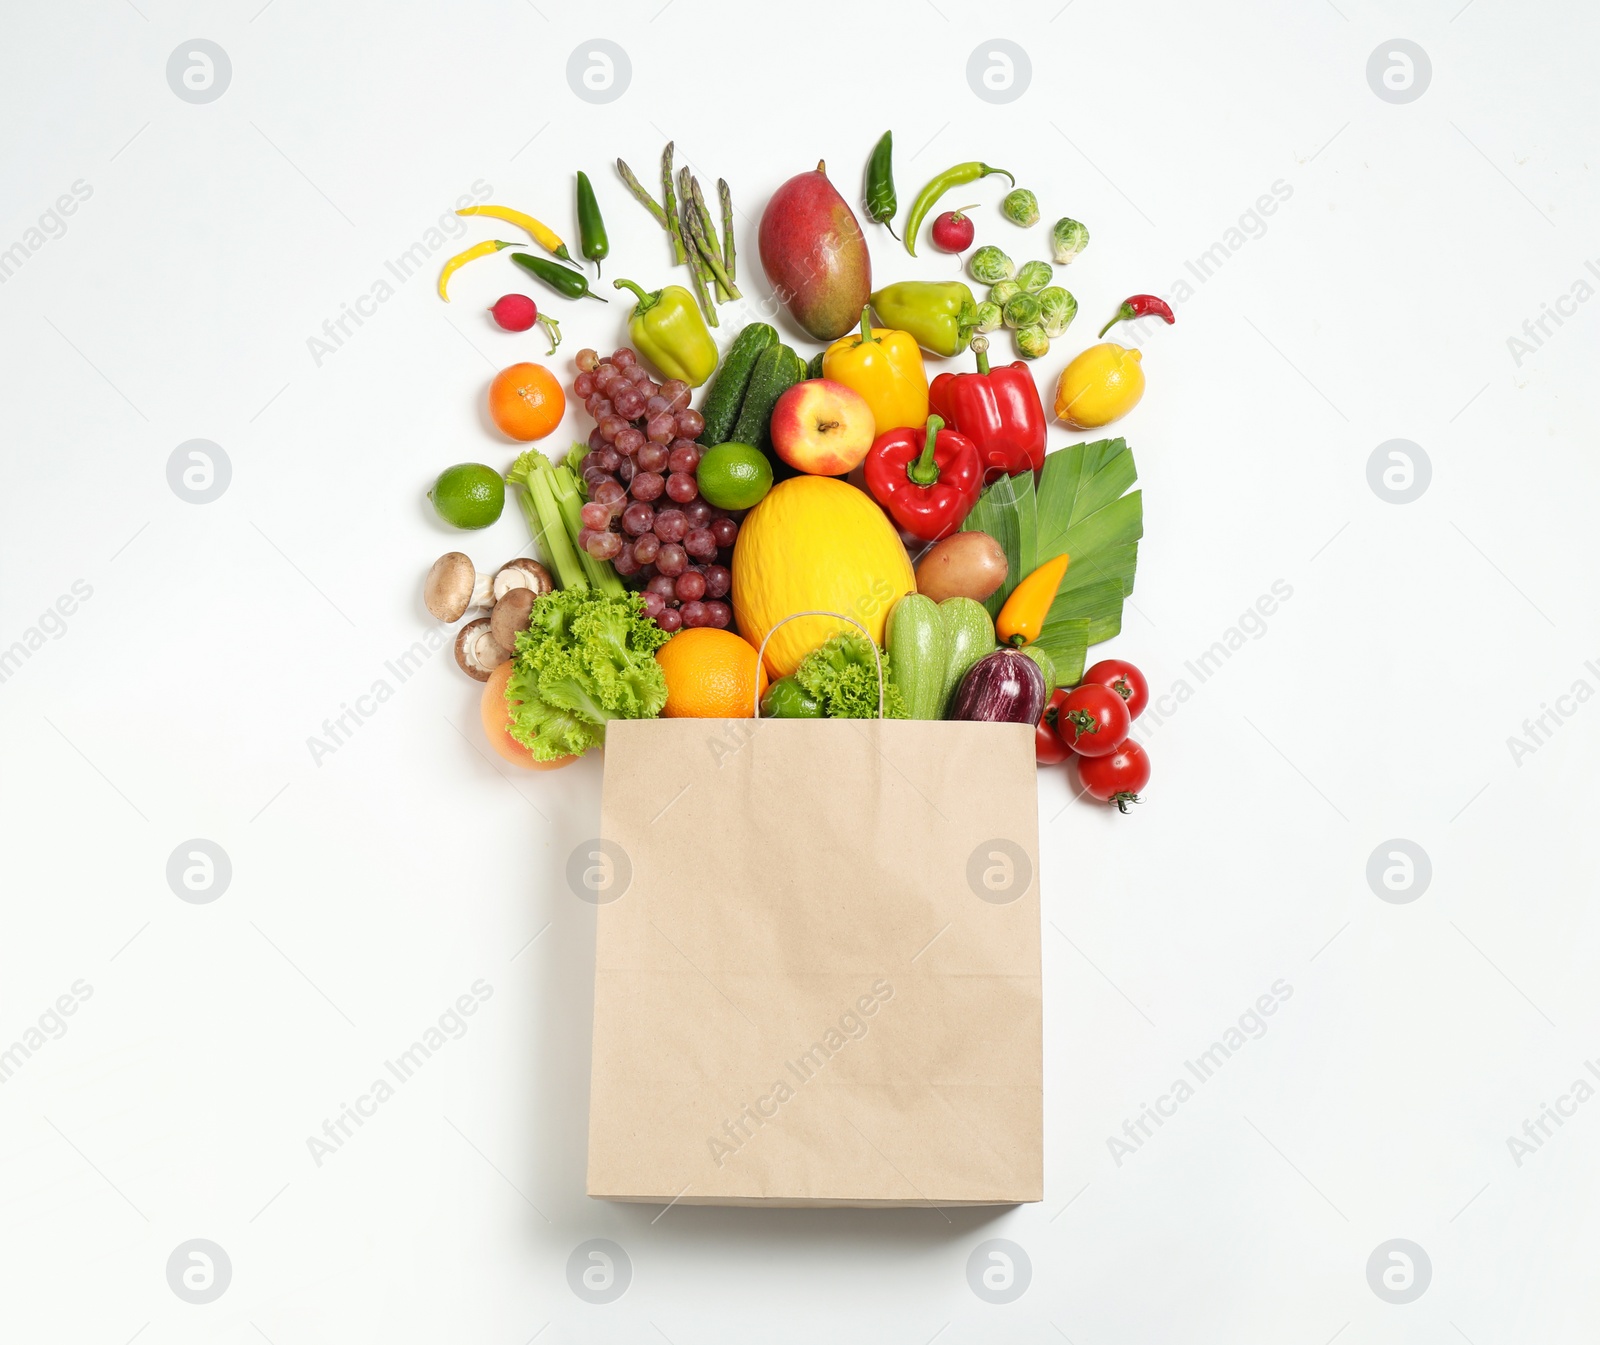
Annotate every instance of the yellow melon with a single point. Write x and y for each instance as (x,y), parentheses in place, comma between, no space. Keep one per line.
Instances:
(815,544)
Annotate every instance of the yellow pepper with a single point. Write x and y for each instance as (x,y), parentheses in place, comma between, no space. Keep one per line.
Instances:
(1022,618)
(462,258)
(885,367)
(541,233)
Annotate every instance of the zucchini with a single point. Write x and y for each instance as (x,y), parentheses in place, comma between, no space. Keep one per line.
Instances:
(721,406)
(915,638)
(969,636)
(814,369)
(1047,666)
(777,370)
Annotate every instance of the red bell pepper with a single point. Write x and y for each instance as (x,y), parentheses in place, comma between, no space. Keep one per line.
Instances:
(998,410)
(928,479)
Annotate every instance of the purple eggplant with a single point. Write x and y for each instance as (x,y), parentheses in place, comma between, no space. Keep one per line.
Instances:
(1004,687)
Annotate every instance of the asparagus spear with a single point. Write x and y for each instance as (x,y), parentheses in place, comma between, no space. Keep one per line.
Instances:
(700,275)
(689,194)
(725,196)
(641,195)
(697,237)
(671,206)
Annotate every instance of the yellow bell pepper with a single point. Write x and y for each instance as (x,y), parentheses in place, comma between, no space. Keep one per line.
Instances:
(1023,616)
(885,367)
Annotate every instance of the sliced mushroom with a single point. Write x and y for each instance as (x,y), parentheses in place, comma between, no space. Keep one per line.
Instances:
(478,653)
(511,615)
(453,585)
(521,573)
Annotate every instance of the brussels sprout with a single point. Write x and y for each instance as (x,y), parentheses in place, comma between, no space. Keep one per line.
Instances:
(989,264)
(1057,308)
(1032,343)
(1067,239)
(1021,207)
(1004,292)
(1034,276)
(988,317)
(1023,311)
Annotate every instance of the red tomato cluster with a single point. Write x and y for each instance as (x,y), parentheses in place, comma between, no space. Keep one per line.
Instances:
(1090,723)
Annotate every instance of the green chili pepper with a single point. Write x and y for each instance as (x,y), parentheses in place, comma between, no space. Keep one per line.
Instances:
(562,279)
(951,177)
(592,240)
(881,200)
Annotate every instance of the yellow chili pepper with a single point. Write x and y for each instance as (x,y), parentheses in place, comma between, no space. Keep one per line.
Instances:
(462,258)
(885,367)
(541,233)
(1022,618)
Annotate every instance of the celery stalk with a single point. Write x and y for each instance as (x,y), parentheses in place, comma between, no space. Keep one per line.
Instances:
(549,530)
(602,576)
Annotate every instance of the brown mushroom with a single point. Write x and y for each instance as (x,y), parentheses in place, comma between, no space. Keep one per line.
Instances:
(510,615)
(478,653)
(453,585)
(521,572)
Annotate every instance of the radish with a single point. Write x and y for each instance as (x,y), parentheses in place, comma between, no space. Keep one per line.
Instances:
(953,231)
(515,312)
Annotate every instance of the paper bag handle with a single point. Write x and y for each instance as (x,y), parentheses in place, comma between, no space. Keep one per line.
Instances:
(839,616)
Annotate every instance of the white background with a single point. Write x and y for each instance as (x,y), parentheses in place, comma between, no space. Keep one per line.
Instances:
(372,889)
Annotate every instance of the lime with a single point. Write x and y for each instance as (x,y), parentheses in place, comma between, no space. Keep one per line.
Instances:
(734,476)
(469,495)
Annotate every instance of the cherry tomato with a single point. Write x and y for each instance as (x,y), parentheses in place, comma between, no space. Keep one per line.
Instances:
(1047,745)
(1123,678)
(1116,777)
(1092,720)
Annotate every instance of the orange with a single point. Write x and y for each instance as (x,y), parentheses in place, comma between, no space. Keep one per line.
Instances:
(496,713)
(526,401)
(711,674)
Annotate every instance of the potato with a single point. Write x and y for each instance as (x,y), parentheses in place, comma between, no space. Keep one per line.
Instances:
(963,565)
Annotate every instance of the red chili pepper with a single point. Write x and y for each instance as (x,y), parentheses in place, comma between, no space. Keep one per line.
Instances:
(998,410)
(928,480)
(1141,306)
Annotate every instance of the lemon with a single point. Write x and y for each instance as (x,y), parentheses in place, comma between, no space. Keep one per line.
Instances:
(469,495)
(1101,384)
(734,476)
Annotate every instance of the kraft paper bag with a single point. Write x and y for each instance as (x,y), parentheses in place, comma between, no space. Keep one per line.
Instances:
(817,972)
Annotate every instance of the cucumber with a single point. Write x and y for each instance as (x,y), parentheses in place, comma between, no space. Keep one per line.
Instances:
(777,370)
(722,402)
(969,636)
(915,639)
(814,369)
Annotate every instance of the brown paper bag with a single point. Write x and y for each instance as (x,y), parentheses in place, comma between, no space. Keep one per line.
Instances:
(817,964)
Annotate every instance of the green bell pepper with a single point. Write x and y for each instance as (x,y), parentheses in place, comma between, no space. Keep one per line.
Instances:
(667,329)
(940,315)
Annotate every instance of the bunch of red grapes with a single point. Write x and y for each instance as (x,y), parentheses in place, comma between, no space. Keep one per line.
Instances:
(644,512)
